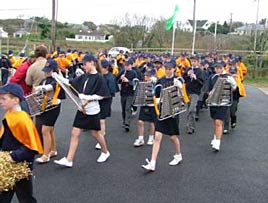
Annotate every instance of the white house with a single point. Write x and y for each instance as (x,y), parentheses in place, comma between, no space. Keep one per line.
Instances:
(90,36)
(250,29)
(188,26)
(20,33)
(3,34)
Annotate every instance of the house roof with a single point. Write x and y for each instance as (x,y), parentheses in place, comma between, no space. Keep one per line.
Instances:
(21,31)
(90,33)
(199,23)
(251,27)
(2,30)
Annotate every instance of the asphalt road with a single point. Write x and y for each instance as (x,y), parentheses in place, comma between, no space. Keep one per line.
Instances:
(238,173)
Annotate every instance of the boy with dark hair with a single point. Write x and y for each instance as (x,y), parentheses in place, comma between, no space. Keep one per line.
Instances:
(19,136)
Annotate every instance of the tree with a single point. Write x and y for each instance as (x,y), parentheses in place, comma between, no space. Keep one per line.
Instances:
(221,29)
(90,25)
(263,21)
(159,34)
(45,30)
(131,30)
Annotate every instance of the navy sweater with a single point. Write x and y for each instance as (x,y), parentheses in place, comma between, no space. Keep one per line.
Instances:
(19,152)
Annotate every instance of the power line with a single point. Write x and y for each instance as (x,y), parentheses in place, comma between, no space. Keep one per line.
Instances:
(22,9)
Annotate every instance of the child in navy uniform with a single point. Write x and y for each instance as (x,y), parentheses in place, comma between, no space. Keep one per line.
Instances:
(125,78)
(92,88)
(49,118)
(147,113)
(106,103)
(19,136)
(218,113)
(168,126)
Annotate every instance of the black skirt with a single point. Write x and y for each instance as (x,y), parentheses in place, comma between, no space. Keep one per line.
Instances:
(168,126)
(147,114)
(50,117)
(105,107)
(89,122)
(218,112)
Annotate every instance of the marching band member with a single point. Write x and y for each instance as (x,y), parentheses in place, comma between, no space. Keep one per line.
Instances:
(193,77)
(18,135)
(106,103)
(125,78)
(237,93)
(168,126)
(218,113)
(241,68)
(147,113)
(49,118)
(160,70)
(182,63)
(92,88)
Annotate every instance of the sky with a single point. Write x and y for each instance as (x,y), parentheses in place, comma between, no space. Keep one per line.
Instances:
(107,11)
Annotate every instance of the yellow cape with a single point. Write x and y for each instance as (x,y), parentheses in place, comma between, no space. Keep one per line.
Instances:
(23,129)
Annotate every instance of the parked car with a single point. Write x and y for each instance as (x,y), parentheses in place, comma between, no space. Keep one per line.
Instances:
(114,51)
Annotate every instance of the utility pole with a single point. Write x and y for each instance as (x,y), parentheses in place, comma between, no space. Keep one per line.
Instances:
(194,28)
(215,35)
(53,25)
(231,22)
(255,39)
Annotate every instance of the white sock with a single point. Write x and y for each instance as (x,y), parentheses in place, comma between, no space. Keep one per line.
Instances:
(140,138)
(153,162)
(151,137)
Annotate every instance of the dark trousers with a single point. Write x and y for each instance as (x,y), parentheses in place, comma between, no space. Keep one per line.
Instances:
(126,102)
(23,190)
(4,75)
(231,114)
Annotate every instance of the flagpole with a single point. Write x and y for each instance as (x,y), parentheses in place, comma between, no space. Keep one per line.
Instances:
(173,38)
(194,30)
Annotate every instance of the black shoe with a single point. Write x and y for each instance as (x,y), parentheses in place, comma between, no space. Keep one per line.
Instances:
(196,118)
(190,131)
(127,128)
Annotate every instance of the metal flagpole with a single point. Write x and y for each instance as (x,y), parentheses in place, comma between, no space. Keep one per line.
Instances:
(173,37)
(194,30)
(215,35)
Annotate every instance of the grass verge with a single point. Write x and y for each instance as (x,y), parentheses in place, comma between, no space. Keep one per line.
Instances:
(257,82)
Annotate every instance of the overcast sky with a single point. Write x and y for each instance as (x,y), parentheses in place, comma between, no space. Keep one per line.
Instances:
(106,11)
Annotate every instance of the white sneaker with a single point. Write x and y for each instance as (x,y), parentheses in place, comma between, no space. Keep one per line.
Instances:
(149,166)
(212,141)
(97,146)
(216,145)
(103,157)
(138,143)
(225,131)
(64,162)
(150,141)
(177,158)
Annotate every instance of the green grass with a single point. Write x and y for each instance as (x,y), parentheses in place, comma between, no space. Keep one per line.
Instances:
(257,82)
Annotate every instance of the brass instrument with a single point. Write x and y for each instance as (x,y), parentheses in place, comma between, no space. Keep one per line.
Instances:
(221,94)
(143,95)
(171,102)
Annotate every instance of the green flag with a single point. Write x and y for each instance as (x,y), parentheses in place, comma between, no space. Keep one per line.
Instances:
(170,21)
